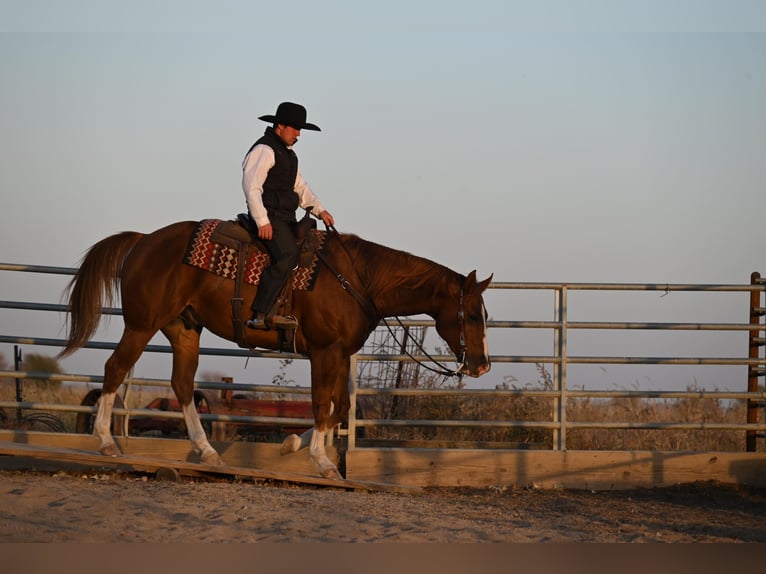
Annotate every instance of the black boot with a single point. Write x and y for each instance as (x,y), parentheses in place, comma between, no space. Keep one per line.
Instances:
(258,322)
(278,321)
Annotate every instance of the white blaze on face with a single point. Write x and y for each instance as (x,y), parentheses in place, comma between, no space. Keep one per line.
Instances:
(482,365)
(487,365)
(484,326)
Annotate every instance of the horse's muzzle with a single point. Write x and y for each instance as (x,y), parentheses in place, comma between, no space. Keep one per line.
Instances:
(475,371)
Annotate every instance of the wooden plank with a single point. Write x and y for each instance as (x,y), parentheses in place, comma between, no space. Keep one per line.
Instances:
(595,470)
(474,468)
(148,464)
(448,444)
(235,453)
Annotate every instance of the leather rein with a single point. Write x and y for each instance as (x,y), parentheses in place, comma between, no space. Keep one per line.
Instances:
(372,311)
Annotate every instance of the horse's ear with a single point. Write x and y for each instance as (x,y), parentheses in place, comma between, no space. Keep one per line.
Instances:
(484,284)
(470,282)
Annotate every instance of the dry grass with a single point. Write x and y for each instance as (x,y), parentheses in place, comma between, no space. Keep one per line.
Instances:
(529,410)
(639,410)
(36,391)
(532,410)
(57,393)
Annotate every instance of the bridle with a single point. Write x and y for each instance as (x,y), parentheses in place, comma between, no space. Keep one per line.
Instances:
(371,310)
(440,368)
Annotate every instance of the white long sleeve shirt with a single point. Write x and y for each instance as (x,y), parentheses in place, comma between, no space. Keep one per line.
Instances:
(255,168)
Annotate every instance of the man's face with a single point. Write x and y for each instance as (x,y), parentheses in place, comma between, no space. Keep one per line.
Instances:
(287,134)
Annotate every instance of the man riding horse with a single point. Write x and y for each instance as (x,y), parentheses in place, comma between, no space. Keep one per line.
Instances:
(274,190)
(357,285)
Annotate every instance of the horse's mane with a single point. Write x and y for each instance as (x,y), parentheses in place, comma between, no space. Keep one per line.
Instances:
(384,268)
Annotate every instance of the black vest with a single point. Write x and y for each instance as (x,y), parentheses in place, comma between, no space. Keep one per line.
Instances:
(279,197)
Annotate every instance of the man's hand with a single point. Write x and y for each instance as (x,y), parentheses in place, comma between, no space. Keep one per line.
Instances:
(327,218)
(265,232)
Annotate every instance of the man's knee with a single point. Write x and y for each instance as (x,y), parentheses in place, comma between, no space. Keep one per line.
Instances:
(286,263)
(289,257)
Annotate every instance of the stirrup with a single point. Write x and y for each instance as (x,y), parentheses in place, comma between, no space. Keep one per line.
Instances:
(257,322)
(284,322)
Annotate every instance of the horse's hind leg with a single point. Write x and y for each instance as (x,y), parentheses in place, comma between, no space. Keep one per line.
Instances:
(185,344)
(294,443)
(125,355)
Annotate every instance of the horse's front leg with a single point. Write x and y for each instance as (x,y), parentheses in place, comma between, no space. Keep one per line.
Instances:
(318,454)
(329,395)
(315,440)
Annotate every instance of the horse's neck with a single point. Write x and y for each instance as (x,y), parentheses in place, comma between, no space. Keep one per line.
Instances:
(411,286)
(404,301)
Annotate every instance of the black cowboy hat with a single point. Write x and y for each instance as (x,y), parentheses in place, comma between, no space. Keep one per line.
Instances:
(290,114)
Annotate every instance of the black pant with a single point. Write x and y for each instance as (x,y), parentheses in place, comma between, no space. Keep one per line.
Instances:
(283,251)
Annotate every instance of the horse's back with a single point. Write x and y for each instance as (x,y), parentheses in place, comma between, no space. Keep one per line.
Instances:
(164,244)
(155,265)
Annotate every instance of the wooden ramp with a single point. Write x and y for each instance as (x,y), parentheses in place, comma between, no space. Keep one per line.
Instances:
(166,467)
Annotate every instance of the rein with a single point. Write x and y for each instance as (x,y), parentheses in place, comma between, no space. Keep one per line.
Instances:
(371,310)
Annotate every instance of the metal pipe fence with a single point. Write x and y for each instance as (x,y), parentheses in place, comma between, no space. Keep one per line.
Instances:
(560,394)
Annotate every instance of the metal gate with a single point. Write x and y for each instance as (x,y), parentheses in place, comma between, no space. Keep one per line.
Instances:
(561,360)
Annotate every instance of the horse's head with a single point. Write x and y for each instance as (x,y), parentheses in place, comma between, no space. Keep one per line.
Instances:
(462,323)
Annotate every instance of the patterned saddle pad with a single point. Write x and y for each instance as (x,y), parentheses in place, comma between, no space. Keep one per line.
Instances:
(221,258)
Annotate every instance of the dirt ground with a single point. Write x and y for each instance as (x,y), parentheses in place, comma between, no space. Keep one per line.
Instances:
(77,506)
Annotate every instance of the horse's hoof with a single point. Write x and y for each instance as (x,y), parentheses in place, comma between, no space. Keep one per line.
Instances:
(331,473)
(110,450)
(212,459)
(290,445)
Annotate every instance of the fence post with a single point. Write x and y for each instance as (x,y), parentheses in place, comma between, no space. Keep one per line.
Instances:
(19,393)
(755,341)
(352,384)
(560,370)
(125,400)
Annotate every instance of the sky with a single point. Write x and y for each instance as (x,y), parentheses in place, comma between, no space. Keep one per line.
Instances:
(546,141)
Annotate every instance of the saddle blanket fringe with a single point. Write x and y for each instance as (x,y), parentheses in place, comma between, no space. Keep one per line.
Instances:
(221,259)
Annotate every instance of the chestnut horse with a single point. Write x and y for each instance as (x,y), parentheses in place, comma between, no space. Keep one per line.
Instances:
(156,288)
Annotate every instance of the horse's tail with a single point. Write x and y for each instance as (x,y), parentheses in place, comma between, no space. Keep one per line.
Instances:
(95,283)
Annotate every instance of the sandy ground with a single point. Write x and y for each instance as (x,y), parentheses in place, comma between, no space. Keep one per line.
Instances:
(76,506)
